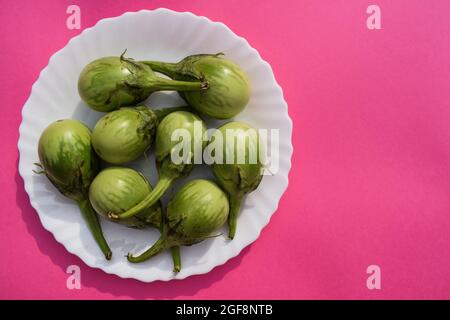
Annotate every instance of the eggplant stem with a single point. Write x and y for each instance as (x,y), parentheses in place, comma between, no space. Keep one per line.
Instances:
(176,258)
(93,223)
(160,188)
(167,84)
(156,248)
(167,68)
(235,206)
(171,70)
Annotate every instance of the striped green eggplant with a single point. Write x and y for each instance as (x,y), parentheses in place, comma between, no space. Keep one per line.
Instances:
(238,177)
(116,189)
(123,135)
(198,209)
(109,83)
(70,163)
(228,85)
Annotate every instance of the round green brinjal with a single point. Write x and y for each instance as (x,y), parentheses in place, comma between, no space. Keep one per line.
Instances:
(68,160)
(123,135)
(243,172)
(228,85)
(116,189)
(198,209)
(109,83)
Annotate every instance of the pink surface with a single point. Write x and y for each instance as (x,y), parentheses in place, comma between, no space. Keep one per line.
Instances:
(370,180)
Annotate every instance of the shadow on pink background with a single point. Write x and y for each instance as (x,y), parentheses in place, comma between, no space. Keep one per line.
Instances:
(370,180)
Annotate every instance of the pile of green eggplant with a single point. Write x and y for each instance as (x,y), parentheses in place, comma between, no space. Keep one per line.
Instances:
(71,155)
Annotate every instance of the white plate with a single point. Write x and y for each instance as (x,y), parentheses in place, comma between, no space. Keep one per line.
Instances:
(152,35)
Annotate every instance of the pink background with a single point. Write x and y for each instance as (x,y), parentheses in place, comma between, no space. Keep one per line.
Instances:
(370,180)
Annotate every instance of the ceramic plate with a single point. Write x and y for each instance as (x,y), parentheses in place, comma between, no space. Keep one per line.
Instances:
(152,35)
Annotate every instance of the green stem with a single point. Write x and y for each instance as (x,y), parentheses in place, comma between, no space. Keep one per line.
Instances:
(176,258)
(235,206)
(167,68)
(162,243)
(93,223)
(161,187)
(168,84)
(161,113)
